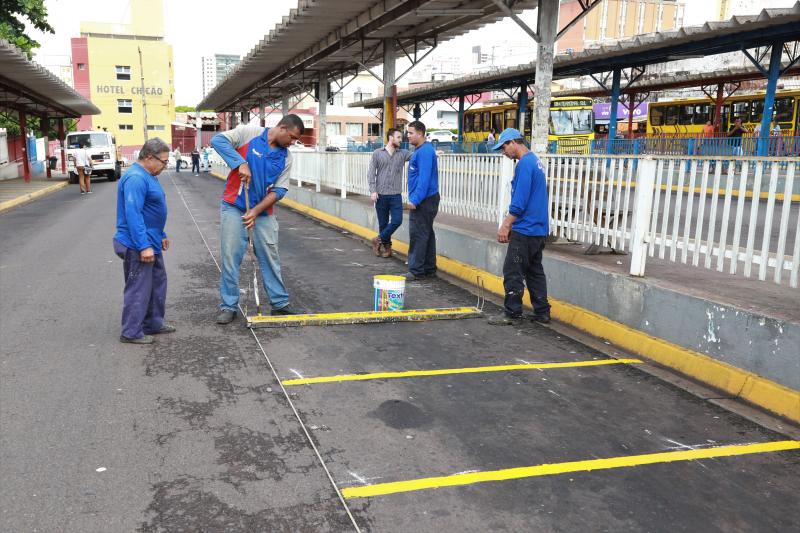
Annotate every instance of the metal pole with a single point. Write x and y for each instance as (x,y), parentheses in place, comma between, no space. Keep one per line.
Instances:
(285,105)
(23,128)
(262,114)
(322,134)
(612,119)
(769,97)
(523,106)
(417,111)
(631,108)
(45,122)
(718,126)
(642,210)
(61,137)
(460,118)
(389,111)
(144,103)
(547,28)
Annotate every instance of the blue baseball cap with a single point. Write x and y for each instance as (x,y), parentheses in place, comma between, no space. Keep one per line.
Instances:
(508,134)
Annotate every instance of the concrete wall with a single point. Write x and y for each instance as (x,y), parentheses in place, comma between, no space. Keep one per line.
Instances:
(759,344)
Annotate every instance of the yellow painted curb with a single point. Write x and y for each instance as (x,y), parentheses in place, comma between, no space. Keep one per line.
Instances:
(25,198)
(734,381)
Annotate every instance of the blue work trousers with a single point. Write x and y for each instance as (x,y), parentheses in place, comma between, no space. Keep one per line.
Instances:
(145,294)
(422,245)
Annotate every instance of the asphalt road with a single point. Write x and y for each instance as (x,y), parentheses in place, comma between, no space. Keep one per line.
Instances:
(195,433)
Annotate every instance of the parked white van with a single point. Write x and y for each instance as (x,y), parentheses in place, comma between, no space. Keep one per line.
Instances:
(102,149)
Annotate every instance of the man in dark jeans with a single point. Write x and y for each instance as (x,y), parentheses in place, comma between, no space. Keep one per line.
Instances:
(423,204)
(196,162)
(385,177)
(525,229)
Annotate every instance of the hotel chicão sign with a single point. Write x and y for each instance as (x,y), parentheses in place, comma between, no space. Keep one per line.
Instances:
(119,89)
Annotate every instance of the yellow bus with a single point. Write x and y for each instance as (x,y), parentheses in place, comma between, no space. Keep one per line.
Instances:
(571,122)
(686,117)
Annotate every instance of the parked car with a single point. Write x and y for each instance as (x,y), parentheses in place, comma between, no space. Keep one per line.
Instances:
(339,143)
(297,146)
(441,137)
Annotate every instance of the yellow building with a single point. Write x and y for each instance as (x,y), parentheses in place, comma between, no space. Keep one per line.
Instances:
(105,63)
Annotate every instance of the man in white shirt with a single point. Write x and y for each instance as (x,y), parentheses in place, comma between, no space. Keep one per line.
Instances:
(83,167)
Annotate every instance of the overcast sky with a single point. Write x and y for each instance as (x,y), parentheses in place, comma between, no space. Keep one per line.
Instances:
(199,27)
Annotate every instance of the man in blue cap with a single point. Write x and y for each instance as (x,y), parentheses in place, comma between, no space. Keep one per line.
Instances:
(525,229)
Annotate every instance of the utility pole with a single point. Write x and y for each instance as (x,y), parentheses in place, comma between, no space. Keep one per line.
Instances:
(144,103)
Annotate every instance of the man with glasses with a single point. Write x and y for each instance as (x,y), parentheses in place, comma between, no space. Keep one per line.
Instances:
(261,162)
(140,241)
(525,229)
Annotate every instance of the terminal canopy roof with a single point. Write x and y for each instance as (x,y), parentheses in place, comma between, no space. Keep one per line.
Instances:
(341,37)
(740,32)
(27,86)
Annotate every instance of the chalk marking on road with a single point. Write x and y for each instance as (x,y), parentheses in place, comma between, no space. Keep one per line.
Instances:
(450,371)
(275,374)
(382,489)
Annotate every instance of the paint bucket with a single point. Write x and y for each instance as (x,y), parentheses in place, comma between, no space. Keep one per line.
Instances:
(390,292)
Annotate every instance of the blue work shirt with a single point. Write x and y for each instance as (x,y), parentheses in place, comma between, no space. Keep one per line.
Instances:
(529,197)
(141,210)
(423,174)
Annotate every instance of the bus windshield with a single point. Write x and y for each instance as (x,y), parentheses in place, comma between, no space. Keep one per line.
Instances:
(87,140)
(570,121)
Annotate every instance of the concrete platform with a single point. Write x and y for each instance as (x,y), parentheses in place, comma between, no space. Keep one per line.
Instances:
(15,192)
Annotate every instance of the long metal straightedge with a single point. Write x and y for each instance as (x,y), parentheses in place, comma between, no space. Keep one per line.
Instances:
(363,317)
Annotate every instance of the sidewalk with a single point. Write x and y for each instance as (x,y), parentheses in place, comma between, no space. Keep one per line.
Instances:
(16,192)
(761,297)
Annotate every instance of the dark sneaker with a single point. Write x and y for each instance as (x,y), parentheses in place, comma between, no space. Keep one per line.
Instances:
(505,320)
(541,319)
(166,328)
(226,316)
(147,339)
(287,310)
(413,277)
(431,274)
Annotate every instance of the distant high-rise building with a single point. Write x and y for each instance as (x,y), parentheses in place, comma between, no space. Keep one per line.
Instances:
(216,68)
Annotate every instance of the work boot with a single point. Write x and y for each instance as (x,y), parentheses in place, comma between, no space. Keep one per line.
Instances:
(226,316)
(166,328)
(147,339)
(376,246)
(505,320)
(541,319)
(387,251)
(286,310)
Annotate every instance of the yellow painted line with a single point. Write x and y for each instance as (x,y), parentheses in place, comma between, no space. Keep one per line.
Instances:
(450,371)
(25,198)
(363,317)
(382,489)
(734,381)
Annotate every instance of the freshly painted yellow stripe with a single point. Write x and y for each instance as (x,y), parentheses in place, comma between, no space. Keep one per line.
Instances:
(25,198)
(728,378)
(449,371)
(381,489)
(355,315)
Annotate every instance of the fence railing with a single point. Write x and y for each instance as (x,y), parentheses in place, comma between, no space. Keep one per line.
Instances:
(736,215)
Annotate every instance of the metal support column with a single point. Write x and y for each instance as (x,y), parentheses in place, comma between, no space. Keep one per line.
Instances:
(322,134)
(262,117)
(285,105)
(718,109)
(460,118)
(45,122)
(23,127)
(631,109)
(612,119)
(769,97)
(547,29)
(523,106)
(417,111)
(245,117)
(389,88)
(61,137)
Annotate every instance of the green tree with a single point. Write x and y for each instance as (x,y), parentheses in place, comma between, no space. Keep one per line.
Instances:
(12,29)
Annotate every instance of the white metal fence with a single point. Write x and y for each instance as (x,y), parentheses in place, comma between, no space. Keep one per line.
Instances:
(738,216)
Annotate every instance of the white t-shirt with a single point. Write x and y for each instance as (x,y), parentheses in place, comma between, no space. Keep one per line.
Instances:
(81,157)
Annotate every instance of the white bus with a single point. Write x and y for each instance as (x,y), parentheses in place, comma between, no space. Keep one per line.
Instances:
(102,149)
